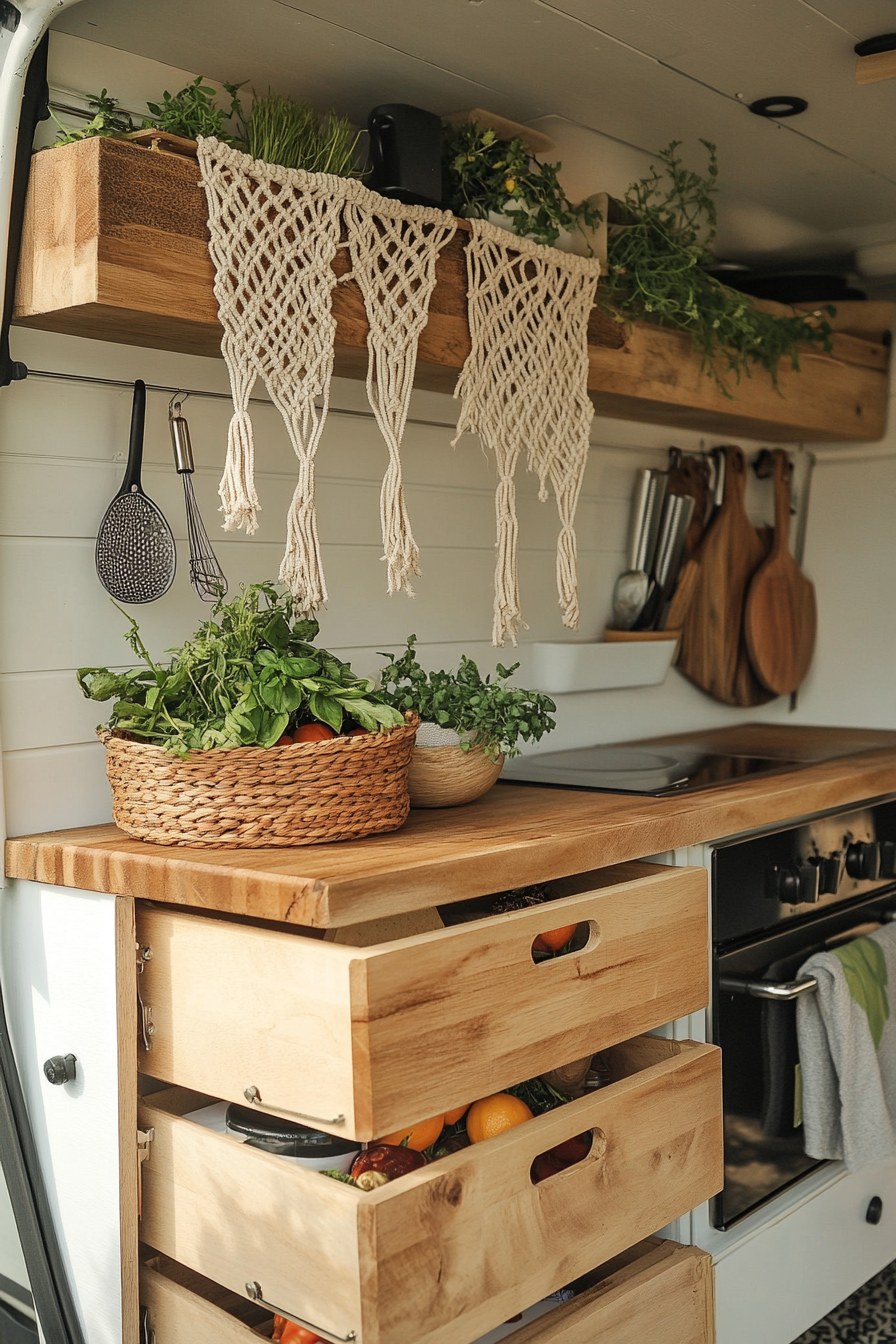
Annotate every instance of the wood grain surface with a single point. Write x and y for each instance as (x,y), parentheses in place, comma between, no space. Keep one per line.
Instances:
(363,1020)
(713,651)
(185,1308)
(780,617)
(514,835)
(115,248)
(683,596)
(457,1247)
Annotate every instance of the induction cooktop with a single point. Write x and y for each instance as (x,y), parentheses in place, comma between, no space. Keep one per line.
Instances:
(679,767)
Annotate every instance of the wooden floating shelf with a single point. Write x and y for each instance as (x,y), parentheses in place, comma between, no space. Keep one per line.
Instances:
(115,248)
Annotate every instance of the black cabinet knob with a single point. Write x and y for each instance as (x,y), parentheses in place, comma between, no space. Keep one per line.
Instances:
(795,884)
(61,1069)
(874,1210)
(863,860)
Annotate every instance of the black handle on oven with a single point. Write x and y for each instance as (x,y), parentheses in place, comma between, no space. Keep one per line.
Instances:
(781,991)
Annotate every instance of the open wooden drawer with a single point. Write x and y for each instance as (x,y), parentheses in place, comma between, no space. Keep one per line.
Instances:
(360,1041)
(446,1253)
(657,1293)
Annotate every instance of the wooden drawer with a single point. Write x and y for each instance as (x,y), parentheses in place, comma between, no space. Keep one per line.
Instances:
(446,1253)
(657,1293)
(363,1040)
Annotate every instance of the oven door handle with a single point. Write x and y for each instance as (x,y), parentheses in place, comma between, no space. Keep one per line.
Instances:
(780,991)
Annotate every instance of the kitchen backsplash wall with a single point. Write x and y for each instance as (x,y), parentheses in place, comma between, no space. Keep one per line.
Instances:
(62,451)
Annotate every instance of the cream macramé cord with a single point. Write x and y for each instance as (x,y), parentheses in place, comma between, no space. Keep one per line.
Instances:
(274,234)
(394,249)
(525,384)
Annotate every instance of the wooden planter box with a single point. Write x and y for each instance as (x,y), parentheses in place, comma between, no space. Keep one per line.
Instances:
(114,248)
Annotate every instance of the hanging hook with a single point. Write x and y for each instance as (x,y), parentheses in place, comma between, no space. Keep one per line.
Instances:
(176,402)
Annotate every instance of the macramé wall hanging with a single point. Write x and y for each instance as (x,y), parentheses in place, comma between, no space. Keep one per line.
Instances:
(274,234)
(525,386)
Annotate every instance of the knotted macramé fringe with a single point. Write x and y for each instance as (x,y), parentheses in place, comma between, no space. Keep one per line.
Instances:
(525,385)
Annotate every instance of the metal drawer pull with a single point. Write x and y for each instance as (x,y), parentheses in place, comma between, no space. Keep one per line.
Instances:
(253,1096)
(254,1291)
(781,991)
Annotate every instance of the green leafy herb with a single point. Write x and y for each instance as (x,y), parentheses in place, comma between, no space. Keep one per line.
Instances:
(288,131)
(247,676)
(194,111)
(658,254)
(487,174)
(340,1176)
(497,715)
(539,1096)
(108,121)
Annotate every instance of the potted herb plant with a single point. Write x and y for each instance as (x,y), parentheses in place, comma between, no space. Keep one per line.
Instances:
(469,724)
(250,736)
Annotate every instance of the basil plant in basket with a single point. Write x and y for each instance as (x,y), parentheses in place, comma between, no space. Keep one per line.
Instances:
(469,724)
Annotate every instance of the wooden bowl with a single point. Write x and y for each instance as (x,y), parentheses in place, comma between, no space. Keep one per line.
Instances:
(448,776)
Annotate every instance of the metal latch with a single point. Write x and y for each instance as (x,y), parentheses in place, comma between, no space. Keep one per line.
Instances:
(144,954)
(147,1334)
(144,1139)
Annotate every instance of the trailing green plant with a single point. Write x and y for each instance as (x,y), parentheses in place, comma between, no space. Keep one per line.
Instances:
(109,120)
(485,174)
(194,111)
(246,676)
(288,131)
(497,716)
(658,259)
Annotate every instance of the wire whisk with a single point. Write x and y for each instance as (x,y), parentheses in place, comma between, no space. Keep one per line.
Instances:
(206,574)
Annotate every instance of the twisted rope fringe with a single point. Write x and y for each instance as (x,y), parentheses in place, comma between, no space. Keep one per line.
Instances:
(394,249)
(525,383)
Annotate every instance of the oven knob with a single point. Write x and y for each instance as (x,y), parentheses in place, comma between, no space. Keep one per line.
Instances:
(830,871)
(887,858)
(797,884)
(863,860)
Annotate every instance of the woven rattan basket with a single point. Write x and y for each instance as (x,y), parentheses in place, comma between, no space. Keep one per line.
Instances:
(260,798)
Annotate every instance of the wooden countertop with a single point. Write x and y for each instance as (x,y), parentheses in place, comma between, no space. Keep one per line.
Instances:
(514,835)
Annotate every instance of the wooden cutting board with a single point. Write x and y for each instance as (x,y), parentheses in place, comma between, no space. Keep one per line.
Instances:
(780,619)
(713,651)
(690,476)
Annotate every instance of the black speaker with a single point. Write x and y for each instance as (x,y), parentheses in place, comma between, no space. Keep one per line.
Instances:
(406,153)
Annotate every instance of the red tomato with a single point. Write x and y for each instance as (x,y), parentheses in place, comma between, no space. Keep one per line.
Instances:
(290,1333)
(313,732)
(358,731)
(284,741)
(573,1150)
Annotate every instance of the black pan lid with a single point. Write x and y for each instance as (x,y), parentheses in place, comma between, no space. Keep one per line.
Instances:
(264,1131)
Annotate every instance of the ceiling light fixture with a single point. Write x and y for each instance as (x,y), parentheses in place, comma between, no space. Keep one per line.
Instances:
(785,106)
(876,59)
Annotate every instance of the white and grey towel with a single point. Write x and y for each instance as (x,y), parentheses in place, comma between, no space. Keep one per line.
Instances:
(847,1046)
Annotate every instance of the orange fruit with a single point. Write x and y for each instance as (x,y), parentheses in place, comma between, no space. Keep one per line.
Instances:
(452,1117)
(358,731)
(313,732)
(418,1136)
(557,938)
(493,1115)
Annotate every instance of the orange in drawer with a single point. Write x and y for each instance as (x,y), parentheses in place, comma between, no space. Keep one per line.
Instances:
(361,1041)
(452,1250)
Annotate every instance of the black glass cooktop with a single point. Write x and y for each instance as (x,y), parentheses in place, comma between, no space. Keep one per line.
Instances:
(678,768)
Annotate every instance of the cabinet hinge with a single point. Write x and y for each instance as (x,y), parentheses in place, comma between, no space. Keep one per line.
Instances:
(144,1140)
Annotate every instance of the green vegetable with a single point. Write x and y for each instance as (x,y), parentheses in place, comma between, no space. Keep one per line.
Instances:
(340,1176)
(288,131)
(658,252)
(194,111)
(539,1096)
(487,174)
(109,121)
(497,715)
(245,677)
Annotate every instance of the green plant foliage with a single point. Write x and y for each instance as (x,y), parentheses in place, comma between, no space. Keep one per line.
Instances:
(539,1095)
(487,174)
(499,716)
(658,253)
(108,121)
(288,131)
(247,675)
(194,111)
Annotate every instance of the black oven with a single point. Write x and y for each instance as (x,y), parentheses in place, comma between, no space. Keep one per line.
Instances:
(777,898)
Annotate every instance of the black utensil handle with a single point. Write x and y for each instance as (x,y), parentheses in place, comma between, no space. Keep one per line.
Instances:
(135,447)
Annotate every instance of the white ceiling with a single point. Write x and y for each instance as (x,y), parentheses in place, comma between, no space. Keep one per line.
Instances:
(639,71)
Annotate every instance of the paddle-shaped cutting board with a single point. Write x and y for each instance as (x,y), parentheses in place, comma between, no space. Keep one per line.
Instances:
(713,651)
(780,618)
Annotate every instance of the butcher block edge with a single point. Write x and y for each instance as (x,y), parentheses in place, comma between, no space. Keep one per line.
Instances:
(513,836)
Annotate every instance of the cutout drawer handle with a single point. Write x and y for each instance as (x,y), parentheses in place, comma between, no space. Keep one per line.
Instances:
(253,1290)
(253,1096)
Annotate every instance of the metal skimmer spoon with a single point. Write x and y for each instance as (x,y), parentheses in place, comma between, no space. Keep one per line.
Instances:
(135,554)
